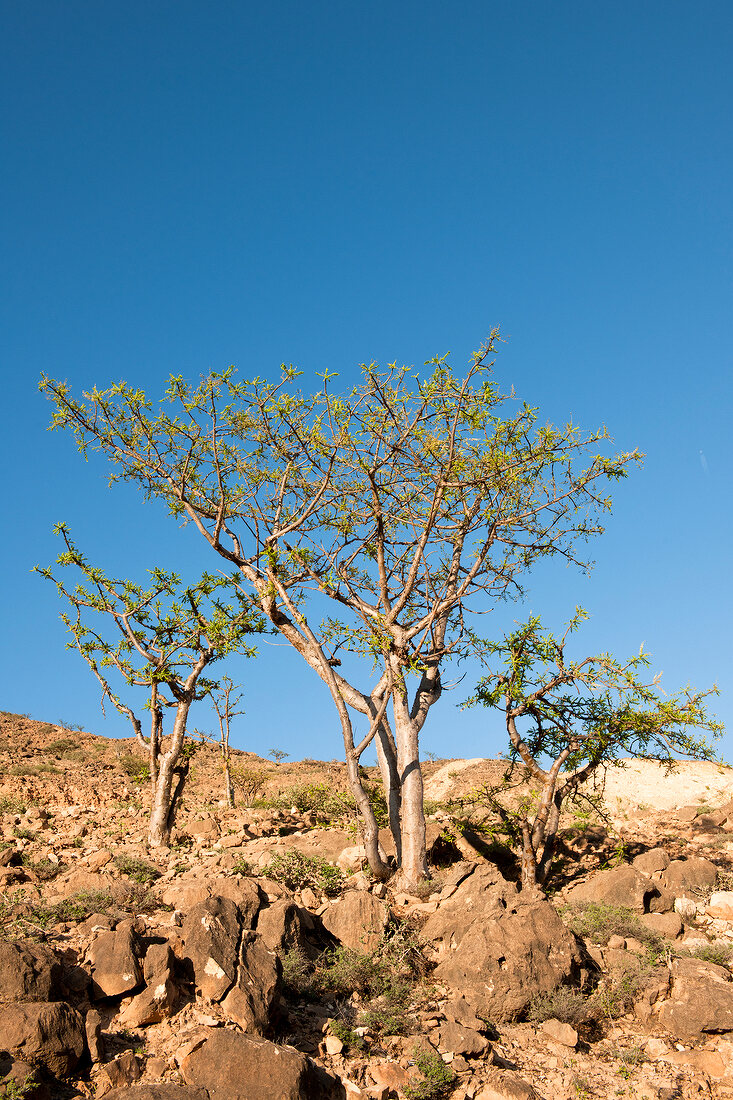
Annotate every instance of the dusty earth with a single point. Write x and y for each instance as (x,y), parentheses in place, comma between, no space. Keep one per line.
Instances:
(257,959)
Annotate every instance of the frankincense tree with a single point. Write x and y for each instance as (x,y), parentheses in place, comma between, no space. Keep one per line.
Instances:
(161,639)
(405,506)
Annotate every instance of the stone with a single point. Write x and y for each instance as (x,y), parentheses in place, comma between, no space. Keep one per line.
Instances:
(701,1061)
(685,907)
(22,1079)
(237,1067)
(357,920)
(625,886)
(721,905)
(390,1076)
(283,926)
(115,964)
(47,1034)
(28,972)
(157,1092)
(122,1071)
(507,949)
(651,861)
(689,876)
(458,1039)
(253,999)
(210,935)
(667,924)
(506,1085)
(560,1032)
(701,1000)
(93,1032)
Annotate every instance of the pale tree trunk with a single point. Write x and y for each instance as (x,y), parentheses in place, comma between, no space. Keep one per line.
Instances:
(414,864)
(165,794)
(228,785)
(387,760)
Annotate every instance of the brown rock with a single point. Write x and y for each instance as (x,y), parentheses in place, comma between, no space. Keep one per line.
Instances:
(667,924)
(157,1092)
(624,885)
(656,859)
(236,1067)
(506,1085)
(122,1071)
(93,1032)
(115,964)
(389,1075)
(505,959)
(22,1079)
(28,972)
(692,876)
(721,905)
(560,1033)
(252,1000)
(210,934)
(45,1034)
(461,1040)
(283,926)
(357,920)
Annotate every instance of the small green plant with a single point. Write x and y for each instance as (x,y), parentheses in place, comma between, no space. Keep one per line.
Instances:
(19,1090)
(43,869)
(243,867)
(12,805)
(297,975)
(349,1038)
(564,1003)
(138,770)
(296,871)
(61,745)
(23,833)
(719,953)
(278,755)
(597,922)
(438,1079)
(35,769)
(249,781)
(139,870)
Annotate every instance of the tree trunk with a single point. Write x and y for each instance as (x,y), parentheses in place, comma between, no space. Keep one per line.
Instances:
(529,859)
(378,867)
(165,795)
(228,785)
(414,864)
(387,760)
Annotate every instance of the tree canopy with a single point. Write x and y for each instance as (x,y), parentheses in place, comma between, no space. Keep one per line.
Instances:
(408,503)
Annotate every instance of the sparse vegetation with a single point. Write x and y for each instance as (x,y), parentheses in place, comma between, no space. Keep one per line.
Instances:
(597,922)
(438,1078)
(138,870)
(296,871)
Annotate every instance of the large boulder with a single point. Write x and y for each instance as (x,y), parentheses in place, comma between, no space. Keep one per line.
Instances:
(701,1000)
(498,947)
(689,876)
(624,886)
(285,926)
(254,997)
(156,1001)
(357,920)
(115,961)
(236,1067)
(28,972)
(211,934)
(48,1034)
(156,1092)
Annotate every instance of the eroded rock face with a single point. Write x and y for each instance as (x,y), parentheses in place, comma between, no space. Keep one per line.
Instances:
(115,963)
(624,886)
(28,972)
(357,920)
(252,1001)
(498,947)
(693,875)
(211,933)
(284,926)
(157,1092)
(701,999)
(45,1034)
(236,1067)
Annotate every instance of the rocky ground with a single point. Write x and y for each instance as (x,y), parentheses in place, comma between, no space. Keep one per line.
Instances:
(256,959)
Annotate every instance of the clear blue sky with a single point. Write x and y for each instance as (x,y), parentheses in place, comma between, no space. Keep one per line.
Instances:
(189,185)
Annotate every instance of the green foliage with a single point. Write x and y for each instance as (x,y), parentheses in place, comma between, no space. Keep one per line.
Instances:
(243,867)
(11,804)
(138,870)
(138,770)
(35,769)
(249,781)
(719,953)
(438,1079)
(19,1090)
(296,871)
(349,1038)
(564,1003)
(597,922)
(43,869)
(61,745)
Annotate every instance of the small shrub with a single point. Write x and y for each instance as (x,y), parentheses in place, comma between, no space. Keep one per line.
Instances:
(138,770)
(719,953)
(597,922)
(35,769)
(349,1038)
(61,745)
(243,867)
(43,869)
(24,833)
(139,870)
(438,1078)
(11,805)
(249,781)
(566,1004)
(296,871)
(297,976)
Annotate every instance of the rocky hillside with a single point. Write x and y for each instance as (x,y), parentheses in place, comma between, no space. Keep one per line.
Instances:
(256,959)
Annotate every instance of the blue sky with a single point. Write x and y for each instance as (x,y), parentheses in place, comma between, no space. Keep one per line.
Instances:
(190,185)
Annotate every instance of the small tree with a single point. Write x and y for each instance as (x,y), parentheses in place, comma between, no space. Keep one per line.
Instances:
(405,505)
(224,704)
(567,719)
(164,638)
